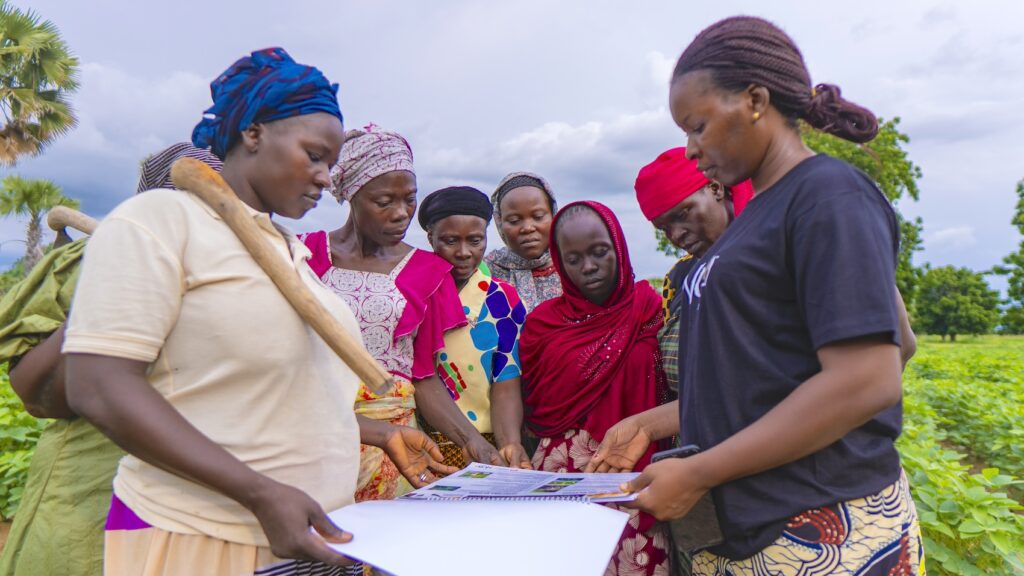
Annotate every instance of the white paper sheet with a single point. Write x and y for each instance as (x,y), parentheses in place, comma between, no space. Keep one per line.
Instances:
(498,538)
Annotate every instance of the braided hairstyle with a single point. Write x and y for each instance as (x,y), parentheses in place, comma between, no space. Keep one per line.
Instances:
(745,50)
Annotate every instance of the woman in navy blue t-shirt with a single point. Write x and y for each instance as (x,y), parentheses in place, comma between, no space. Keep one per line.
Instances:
(789,340)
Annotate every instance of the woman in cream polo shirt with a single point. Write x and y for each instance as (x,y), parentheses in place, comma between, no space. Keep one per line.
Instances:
(237,418)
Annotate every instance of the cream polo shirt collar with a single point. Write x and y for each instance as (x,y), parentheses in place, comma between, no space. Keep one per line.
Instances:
(299,252)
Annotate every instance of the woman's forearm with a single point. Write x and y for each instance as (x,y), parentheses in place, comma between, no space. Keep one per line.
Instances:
(439,410)
(373,432)
(908,340)
(857,381)
(507,411)
(659,422)
(38,379)
(114,395)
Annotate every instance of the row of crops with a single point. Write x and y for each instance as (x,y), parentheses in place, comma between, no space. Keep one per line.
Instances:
(962,449)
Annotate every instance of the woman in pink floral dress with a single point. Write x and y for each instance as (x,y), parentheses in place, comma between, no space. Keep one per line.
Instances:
(404,299)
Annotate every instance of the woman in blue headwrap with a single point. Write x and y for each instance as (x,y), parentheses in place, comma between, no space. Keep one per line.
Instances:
(236,417)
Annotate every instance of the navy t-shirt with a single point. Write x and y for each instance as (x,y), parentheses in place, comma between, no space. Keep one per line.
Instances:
(810,262)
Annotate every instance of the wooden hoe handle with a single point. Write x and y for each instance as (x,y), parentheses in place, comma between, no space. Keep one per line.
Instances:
(61,217)
(195,176)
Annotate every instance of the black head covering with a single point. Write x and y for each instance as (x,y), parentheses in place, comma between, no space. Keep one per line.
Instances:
(454,201)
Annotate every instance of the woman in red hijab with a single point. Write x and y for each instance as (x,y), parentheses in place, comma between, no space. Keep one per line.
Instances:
(590,358)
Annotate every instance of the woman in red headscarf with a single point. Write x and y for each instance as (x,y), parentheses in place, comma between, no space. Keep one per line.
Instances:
(590,358)
(693,212)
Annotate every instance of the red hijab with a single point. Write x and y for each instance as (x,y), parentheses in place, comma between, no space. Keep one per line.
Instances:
(587,365)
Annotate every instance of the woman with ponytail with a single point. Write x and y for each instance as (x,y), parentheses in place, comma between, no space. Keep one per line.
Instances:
(789,335)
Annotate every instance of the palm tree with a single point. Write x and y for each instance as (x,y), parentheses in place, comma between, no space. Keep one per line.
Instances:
(37,73)
(32,198)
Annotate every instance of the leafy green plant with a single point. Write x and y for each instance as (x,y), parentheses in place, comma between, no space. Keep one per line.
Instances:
(978,398)
(19,433)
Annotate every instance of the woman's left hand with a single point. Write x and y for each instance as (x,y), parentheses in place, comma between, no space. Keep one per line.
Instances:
(516,456)
(480,450)
(667,489)
(416,456)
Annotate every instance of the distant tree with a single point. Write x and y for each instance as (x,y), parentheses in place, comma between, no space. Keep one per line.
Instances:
(953,301)
(37,74)
(32,198)
(667,247)
(1013,268)
(1012,320)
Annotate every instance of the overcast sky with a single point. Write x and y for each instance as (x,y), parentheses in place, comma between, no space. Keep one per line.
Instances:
(573,90)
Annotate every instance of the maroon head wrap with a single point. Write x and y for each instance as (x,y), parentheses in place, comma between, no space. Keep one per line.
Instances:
(672,178)
(587,365)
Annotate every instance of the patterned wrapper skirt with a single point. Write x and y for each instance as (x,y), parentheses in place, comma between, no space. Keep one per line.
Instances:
(379,478)
(873,536)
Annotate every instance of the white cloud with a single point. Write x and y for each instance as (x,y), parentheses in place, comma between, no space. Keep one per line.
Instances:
(603,155)
(121,113)
(661,67)
(939,15)
(954,238)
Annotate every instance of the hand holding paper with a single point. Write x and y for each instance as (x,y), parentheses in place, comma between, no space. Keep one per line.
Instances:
(667,489)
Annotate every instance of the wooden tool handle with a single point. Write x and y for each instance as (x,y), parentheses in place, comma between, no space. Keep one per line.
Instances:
(195,176)
(61,217)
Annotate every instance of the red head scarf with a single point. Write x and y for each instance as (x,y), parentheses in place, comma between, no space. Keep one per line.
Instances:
(672,178)
(587,365)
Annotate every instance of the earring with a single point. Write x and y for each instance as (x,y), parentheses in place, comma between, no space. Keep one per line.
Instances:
(716,190)
(757,116)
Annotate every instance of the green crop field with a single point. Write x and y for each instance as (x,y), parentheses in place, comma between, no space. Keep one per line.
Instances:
(962,447)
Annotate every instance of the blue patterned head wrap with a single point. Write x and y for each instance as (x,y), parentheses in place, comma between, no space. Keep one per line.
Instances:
(264,86)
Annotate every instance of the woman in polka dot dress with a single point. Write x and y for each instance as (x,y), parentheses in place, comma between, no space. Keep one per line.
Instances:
(480,363)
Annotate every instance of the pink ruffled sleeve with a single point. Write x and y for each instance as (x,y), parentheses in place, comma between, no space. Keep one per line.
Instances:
(444,313)
(432,308)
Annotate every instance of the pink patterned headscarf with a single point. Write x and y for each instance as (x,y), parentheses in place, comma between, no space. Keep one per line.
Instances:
(366,154)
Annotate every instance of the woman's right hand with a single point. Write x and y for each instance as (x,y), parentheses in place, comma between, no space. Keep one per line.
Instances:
(286,514)
(623,445)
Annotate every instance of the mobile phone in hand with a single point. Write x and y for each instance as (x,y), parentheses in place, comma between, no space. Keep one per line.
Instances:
(699,529)
(681,452)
